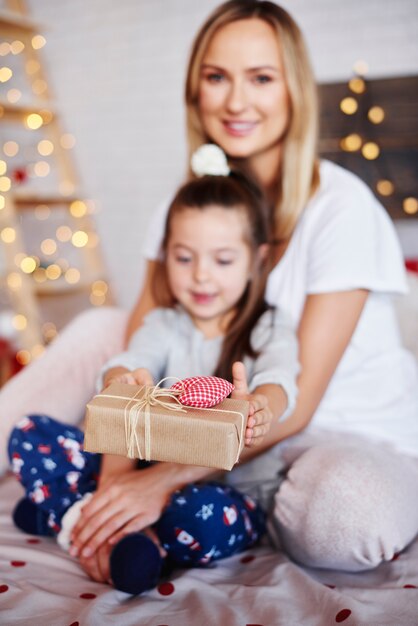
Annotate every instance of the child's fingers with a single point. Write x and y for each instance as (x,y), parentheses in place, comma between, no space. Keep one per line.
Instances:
(259,420)
(239,380)
(254,436)
(142,376)
(258,408)
(126,379)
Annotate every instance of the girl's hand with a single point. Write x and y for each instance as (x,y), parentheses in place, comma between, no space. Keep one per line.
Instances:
(259,415)
(140,376)
(123,504)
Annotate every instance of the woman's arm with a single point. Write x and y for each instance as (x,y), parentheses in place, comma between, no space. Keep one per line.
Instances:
(327,324)
(145,302)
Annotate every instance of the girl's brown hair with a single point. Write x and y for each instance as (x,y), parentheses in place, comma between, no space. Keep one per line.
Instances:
(299,175)
(235,192)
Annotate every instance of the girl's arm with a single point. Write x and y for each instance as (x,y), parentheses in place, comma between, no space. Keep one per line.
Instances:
(144,304)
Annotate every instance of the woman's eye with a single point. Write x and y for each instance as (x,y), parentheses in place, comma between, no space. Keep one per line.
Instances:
(183,259)
(224,261)
(214,77)
(262,79)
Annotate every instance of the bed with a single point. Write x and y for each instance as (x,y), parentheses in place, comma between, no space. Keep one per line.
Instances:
(40,585)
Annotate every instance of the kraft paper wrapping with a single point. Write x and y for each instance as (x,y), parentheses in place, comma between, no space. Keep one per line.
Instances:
(119,421)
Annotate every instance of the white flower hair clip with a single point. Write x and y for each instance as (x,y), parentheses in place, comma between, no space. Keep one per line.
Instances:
(210,160)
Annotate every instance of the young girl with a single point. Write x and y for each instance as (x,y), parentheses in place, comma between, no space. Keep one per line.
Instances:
(213,271)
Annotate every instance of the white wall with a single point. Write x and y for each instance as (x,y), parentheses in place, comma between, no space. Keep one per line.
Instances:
(117,70)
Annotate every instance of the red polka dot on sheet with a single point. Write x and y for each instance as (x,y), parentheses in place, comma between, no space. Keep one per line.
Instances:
(33,540)
(253,624)
(342,615)
(166,589)
(87,596)
(396,556)
(248,558)
(4,588)
(330,586)
(18,563)
(75,624)
(409,586)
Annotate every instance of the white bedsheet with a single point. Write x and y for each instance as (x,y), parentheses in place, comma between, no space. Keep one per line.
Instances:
(40,585)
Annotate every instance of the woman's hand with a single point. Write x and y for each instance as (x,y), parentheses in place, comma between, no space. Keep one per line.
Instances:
(122,505)
(97,566)
(259,414)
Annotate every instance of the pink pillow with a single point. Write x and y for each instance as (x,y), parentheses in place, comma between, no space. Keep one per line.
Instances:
(203,391)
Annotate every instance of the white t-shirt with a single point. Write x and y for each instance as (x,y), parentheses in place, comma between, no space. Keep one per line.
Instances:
(345,240)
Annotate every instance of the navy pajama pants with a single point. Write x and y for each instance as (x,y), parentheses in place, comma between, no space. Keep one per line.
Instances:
(203,522)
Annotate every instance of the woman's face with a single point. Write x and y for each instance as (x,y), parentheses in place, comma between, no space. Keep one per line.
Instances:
(243,97)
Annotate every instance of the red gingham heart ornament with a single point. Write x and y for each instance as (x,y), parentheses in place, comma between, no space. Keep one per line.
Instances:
(203,391)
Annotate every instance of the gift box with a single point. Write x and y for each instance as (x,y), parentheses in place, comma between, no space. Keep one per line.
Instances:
(149,423)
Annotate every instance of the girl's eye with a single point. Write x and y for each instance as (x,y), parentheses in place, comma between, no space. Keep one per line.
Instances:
(183,259)
(224,261)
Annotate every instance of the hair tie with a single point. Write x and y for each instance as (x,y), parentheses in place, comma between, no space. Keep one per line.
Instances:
(210,160)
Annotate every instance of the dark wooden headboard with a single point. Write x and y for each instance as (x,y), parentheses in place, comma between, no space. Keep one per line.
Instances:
(396,137)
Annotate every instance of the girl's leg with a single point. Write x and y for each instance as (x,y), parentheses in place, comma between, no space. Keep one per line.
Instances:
(201,524)
(48,459)
(347,506)
(63,380)
(206,522)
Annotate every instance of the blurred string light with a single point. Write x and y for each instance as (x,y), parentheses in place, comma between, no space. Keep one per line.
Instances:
(4,48)
(32,67)
(67,141)
(38,42)
(385,187)
(17,46)
(33,121)
(11,148)
(5,74)
(349,105)
(13,95)
(45,147)
(376,115)
(410,206)
(8,234)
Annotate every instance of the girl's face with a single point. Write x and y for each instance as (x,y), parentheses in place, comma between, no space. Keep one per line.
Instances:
(243,97)
(208,264)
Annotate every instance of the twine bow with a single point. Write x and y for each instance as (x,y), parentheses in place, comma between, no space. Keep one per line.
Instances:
(151,397)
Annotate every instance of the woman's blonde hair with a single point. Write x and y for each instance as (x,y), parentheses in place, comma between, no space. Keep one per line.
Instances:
(298,176)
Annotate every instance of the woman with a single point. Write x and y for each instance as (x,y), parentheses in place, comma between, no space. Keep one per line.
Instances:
(349,499)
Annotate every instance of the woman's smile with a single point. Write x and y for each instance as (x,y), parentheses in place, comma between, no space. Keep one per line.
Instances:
(239,128)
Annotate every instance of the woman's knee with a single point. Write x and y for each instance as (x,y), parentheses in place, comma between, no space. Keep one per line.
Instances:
(107,322)
(341,507)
